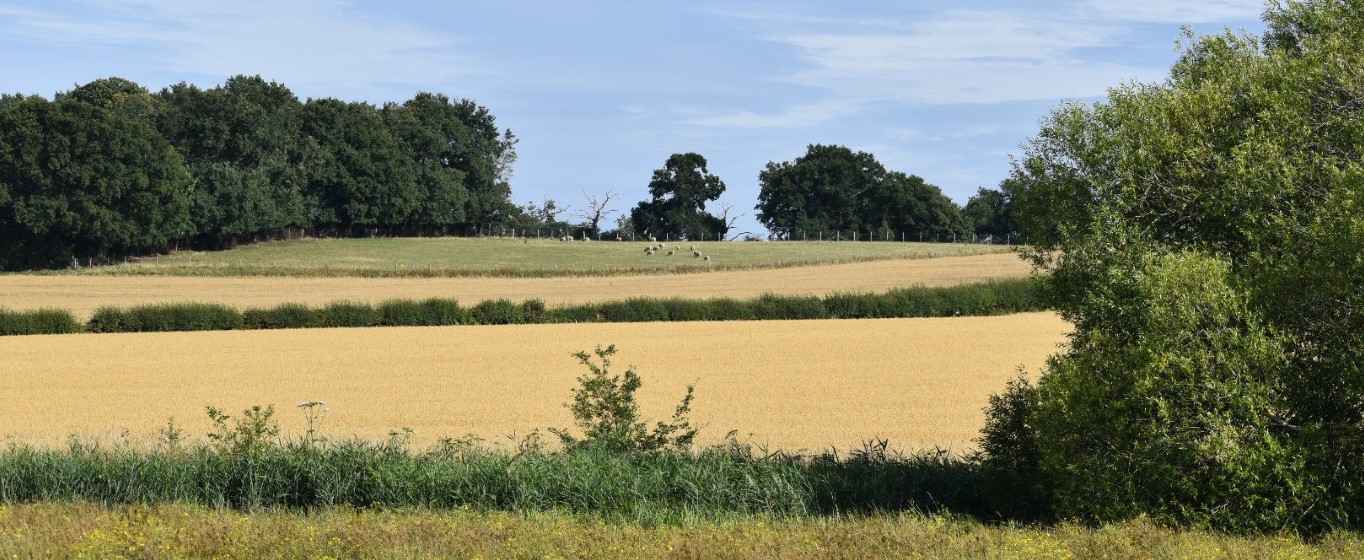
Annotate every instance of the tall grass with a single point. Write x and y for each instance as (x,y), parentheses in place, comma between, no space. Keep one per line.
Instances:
(661,487)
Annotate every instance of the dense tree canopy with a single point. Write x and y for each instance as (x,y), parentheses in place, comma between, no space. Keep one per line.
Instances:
(109,169)
(79,179)
(990,213)
(680,191)
(1204,235)
(833,188)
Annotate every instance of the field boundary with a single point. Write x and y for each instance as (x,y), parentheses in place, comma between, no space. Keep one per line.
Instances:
(996,297)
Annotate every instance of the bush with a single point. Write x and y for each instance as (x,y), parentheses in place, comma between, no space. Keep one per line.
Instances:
(604,408)
(282,316)
(774,307)
(165,317)
(38,321)
(853,306)
(1175,417)
(634,310)
(346,314)
(497,312)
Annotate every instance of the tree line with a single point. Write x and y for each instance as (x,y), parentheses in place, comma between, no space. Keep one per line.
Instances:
(829,189)
(110,169)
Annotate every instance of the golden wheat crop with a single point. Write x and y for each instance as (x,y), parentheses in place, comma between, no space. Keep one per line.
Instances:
(788,384)
(83,294)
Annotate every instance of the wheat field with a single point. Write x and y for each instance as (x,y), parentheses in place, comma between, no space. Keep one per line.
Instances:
(793,385)
(83,294)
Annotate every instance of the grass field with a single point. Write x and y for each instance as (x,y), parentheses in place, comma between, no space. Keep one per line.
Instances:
(176,531)
(786,384)
(83,294)
(459,256)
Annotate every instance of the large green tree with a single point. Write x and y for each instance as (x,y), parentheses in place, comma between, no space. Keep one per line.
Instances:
(243,143)
(1204,237)
(364,181)
(832,188)
(81,178)
(680,191)
(990,213)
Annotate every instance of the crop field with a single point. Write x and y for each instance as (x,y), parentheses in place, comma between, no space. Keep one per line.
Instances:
(83,294)
(792,385)
(458,256)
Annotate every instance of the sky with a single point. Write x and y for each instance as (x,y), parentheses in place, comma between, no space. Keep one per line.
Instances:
(601,93)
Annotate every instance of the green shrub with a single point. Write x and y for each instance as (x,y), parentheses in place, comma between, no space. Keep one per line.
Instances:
(604,408)
(346,314)
(634,310)
(533,311)
(853,306)
(776,307)
(1174,416)
(109,319)
(165,317)
(37,321)
(403,313)
(282,316)
(729,309)
(444,312)
(679,309)
(497,312)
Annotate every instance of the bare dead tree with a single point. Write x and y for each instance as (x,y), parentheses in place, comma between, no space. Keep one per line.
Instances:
(729,222)
(596,210)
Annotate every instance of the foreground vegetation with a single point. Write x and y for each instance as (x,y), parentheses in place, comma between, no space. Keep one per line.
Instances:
(992,298)
(512,257)
(1204,237)
(83,529)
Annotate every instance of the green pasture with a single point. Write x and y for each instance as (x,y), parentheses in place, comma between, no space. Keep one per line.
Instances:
(460,256)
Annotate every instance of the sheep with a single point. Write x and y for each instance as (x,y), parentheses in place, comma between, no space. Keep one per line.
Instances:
(707,257)
(671,253)
(693,248)
(649,253)
(649,249)
(695,253)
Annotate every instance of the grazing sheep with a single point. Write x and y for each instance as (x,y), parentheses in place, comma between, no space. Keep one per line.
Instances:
(695,253)
(706,258)
(693,248)
(671,253)
(649,253)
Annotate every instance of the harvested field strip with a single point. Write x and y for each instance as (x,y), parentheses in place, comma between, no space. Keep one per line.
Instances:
(788,384)
(83,294)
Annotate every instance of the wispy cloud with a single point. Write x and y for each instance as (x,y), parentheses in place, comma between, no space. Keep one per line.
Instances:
(942,58)
(1178,12)
(793,116)
(300,42)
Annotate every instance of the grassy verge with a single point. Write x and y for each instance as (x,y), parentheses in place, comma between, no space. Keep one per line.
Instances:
(989,298)
(83,529)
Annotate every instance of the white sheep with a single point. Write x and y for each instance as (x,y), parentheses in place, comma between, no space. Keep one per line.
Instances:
(706,258)
(695,253)
(670,253)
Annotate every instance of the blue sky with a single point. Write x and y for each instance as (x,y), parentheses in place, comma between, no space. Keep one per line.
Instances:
(600,93)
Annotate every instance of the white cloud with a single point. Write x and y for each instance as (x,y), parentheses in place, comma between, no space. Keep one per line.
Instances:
(299,42)
(794,116)
(1178,12)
